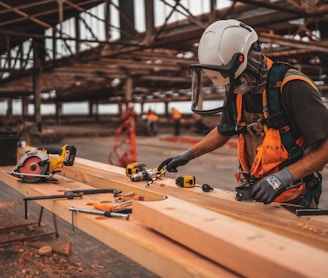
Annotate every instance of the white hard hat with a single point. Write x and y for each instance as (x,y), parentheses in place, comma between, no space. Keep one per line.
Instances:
(223,56)
(130,106)
(220,41)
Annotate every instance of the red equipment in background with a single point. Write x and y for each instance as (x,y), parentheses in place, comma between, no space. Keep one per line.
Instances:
(124,149)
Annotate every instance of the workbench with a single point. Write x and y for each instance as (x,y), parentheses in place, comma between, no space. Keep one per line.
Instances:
(185,232)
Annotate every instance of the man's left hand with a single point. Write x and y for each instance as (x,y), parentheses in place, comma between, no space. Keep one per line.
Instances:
(270,187)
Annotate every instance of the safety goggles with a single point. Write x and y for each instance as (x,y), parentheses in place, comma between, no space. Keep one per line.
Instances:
(209,86)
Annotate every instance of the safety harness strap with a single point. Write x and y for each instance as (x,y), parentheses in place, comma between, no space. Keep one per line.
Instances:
(276,118)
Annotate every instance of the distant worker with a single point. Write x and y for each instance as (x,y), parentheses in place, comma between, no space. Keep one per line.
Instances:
(126,128)
(275,110)
(176,116)
(151,120)
(201,127)
(130,113)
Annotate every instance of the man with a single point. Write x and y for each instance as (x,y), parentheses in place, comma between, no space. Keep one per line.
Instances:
(151,120)
(275,110)
(176,116)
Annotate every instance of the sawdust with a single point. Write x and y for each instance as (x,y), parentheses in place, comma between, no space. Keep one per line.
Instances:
(7,205)
(20,260)
(23,260)
(78,255)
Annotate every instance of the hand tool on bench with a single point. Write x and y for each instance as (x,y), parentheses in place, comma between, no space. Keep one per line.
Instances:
(126,198)
(134,168)
(35,166)
(121,213)
(301,211)
(129,194)
(71,194)
(156,175)
(190,181)
(105,207)
(243,194)
(243,191)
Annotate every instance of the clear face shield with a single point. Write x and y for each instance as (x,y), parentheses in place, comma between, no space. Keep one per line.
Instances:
(213,86)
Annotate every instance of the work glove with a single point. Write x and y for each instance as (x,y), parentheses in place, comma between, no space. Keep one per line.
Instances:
(174,161)
(270,187)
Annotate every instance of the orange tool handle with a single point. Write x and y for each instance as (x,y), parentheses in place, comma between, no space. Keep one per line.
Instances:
(103,207)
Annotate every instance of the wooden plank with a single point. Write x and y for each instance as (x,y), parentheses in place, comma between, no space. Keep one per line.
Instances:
(311,230)
(308,230)
(148,248)
(109,178)
(248,250)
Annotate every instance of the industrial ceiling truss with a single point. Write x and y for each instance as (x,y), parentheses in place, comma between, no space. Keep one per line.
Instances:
(116,51)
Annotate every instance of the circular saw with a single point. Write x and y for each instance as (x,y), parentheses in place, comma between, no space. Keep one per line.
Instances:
(36,166)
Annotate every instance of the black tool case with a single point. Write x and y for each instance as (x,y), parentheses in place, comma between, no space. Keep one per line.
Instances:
(8,148)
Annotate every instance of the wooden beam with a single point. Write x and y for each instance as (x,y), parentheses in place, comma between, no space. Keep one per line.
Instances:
(311,230)
(246,249)
(146,247)
(267,239)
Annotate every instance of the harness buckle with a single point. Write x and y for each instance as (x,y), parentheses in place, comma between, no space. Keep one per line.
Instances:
(252,128)
(241,128)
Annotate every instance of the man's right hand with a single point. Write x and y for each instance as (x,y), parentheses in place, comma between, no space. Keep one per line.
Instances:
(174,161)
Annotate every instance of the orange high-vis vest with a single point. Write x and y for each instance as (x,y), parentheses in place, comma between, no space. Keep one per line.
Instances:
(176,114)
(271,153)
(153,117)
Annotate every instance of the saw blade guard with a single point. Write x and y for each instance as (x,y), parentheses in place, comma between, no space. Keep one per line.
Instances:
(34,164)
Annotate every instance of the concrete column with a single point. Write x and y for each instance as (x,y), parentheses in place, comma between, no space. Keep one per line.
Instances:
(24,107)
(128,89)
(90,103)
(39,57)
(166,103)
(37,100)
(59,112)
(150,25)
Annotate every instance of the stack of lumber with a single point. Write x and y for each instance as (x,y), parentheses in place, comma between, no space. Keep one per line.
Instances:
(184,232)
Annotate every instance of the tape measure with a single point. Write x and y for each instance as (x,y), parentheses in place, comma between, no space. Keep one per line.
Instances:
(185,181)
(190,181)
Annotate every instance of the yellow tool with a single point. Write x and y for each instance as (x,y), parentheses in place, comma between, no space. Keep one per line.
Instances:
(190,181)
(185,181)
(37,166)
(134,168)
